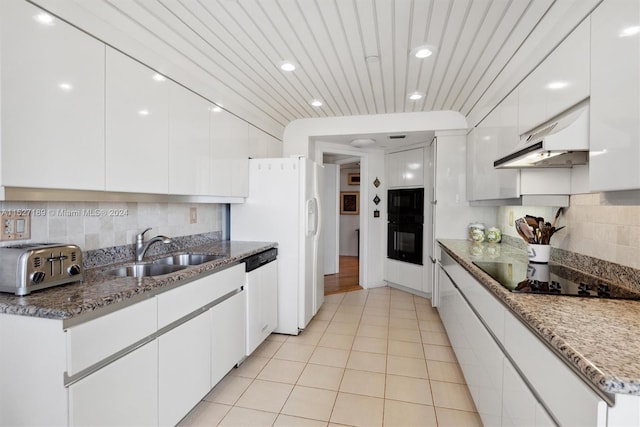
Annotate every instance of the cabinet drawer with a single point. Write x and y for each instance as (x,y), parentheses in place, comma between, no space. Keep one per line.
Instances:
(90,342)
(186,299)
(550,377)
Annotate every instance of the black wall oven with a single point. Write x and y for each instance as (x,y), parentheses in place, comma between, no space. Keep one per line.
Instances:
(405,210)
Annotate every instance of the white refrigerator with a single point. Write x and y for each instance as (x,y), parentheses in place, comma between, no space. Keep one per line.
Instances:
(284,206)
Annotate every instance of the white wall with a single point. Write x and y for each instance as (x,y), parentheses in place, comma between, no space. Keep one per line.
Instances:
(349,223)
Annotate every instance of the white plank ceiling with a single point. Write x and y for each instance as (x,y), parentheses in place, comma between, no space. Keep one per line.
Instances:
(354,55)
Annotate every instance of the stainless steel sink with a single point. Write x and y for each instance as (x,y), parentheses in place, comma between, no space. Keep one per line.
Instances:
(145,270)
(187,259)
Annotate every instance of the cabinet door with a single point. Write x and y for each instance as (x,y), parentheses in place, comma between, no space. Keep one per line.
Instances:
(184,368)
(124,393)
(405,168)
(189,142)
(550,377)
(262,304)
(495,137)
(404,273)
(52,101)
(228,326)
(560,82)
(479,356)
(520,406)
(137,127)
(230,136)
(615,106)
(566,75)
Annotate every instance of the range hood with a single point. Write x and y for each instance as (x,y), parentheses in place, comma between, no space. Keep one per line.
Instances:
(563,143)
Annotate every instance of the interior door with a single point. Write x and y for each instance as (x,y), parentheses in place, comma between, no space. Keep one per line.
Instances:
(331,224)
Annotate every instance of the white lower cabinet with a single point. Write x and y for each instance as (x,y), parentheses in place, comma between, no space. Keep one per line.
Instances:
(262,304)
(404,274)
(479,356)
(184,364)
(520,407)
(124,392)
(514,379)
(228,326)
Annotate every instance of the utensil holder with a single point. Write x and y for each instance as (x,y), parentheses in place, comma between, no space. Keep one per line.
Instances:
(539,253)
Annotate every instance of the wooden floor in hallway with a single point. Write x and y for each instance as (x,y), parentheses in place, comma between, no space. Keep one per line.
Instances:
(346,280)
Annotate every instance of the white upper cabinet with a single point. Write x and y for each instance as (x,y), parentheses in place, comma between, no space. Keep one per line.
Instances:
(560,82)
(189,142)
(405,168)
(615,101)
(262,145)
(493,138)
(230,162)
(137,127)
(52,101)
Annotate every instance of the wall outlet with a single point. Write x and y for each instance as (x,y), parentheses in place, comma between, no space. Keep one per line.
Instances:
(511,218)
(193,215)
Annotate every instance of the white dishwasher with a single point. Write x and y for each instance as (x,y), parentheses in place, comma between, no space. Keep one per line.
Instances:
(262,297)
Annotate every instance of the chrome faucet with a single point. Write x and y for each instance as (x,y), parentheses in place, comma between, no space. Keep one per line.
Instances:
(142,247)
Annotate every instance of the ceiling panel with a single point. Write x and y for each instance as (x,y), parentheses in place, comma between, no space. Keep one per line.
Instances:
(354,55)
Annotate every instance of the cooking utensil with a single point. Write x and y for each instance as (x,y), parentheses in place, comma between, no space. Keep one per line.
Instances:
(517,223)
(527,231)
(555,219)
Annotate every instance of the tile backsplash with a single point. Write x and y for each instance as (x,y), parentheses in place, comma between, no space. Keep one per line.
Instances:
(93,225)
(593,228)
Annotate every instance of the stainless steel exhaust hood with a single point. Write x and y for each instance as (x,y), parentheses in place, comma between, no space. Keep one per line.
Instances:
(563,143)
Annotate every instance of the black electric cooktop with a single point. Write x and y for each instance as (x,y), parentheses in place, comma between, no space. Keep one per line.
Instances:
(553,279)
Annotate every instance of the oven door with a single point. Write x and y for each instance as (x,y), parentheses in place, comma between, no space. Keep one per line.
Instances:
(406,205)
(404,242)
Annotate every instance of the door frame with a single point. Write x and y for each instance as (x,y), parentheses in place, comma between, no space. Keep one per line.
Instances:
(323,148)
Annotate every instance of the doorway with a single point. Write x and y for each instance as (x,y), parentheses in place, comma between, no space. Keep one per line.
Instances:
(342,223)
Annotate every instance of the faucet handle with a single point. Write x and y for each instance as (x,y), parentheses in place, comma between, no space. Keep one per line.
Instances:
(140,236)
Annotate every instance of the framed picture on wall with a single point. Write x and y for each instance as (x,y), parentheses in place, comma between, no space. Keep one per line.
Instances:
(353,179)
(349,203)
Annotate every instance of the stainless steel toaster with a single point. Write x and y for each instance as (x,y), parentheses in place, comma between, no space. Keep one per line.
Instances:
(30,267)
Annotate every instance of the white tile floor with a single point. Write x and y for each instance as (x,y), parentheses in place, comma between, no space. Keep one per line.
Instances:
(368,358)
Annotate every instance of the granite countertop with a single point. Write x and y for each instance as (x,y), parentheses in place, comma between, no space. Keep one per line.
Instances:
(101,291)
(596,336)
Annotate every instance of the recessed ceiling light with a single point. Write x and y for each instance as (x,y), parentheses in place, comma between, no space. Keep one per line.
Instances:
(215,109)
(65,86)
(423,51)
(44,18)
(363,142)
(143,112)
(287,66)
(629,31)
(557,85)
(414,96)
(159,77)
(316,103)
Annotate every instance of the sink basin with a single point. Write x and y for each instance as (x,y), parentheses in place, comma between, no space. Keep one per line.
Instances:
(187,259)
(145,270)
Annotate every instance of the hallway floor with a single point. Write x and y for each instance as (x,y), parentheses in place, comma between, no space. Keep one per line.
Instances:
(347,280)
(368,358)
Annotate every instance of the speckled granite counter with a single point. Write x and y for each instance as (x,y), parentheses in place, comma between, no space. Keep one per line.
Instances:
(599,337)
(101,291)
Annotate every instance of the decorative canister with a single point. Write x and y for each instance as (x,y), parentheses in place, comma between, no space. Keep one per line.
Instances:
(476,232)
(494,235)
